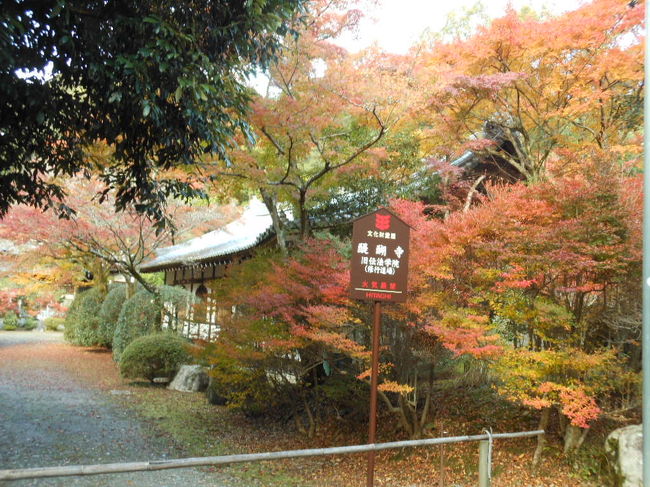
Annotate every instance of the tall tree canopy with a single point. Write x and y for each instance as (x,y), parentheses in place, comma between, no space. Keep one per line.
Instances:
(161,82)
(538,88)
(324,128)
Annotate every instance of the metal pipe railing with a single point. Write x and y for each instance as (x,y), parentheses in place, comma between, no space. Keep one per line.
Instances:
(110,468)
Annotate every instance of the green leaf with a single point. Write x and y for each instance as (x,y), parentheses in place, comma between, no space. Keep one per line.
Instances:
(116,96)
(327,368)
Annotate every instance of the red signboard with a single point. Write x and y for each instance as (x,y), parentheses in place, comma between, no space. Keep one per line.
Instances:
(380,253)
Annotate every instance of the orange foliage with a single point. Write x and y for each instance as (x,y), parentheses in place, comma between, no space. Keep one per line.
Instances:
(571,83)
(530,271)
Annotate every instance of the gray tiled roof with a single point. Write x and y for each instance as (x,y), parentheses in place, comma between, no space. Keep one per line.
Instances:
(252,228)
(467,161)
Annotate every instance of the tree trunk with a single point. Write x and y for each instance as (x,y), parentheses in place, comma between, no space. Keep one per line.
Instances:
(310,429)
(133,271)
(574,436)
(271,203)
(427,401)
(130,285)
(397,410)
(101,274)
(563,422)
(409,412)
(305,228)
(541,439)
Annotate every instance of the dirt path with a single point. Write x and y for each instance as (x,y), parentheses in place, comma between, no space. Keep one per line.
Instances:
(51,413)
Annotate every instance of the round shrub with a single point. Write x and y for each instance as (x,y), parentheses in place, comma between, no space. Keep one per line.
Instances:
(82,321)
(157,355)
(29,323)
(10,321)
(109,313)
(53,323)
(144,313)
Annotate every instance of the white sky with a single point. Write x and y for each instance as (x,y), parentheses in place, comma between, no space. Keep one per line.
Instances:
(397,24)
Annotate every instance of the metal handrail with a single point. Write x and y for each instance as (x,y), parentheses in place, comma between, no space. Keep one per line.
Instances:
(74,470)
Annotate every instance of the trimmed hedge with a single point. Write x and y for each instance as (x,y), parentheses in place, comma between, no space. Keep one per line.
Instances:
(139,316)
(82,326)
(157,355)
(109,313)
(143,314)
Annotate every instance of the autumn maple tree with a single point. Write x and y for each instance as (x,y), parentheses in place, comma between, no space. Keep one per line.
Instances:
(546,268)
(97,238)
(323,125)
(524,90)
(297,337)
(292,320)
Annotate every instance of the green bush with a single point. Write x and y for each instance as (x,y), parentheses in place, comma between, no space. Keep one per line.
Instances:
(144,313)
(53,323)
(157,355)
(139,316)
(109,313)
(245,389)
(29,323)
(10,321)
(82,326)
(346,395)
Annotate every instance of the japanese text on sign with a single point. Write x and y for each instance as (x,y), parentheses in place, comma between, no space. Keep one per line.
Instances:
(380,243)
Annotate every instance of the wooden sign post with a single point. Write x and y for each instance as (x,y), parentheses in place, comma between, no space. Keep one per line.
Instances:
(379,272)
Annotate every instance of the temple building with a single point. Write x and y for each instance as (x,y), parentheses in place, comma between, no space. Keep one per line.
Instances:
(199,263)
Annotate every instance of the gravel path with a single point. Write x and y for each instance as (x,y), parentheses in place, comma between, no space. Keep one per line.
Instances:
(49,417)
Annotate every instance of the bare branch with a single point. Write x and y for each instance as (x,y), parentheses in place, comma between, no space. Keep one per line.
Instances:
(272,140)
(470,195)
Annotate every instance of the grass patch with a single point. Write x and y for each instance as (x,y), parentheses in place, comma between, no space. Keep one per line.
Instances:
(202,429)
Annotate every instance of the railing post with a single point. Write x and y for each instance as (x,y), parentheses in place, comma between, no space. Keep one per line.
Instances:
(484,463)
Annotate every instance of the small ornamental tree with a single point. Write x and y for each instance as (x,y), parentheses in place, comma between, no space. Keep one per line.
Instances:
(434,327)
(567,380)
(9,299)
(291,318)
